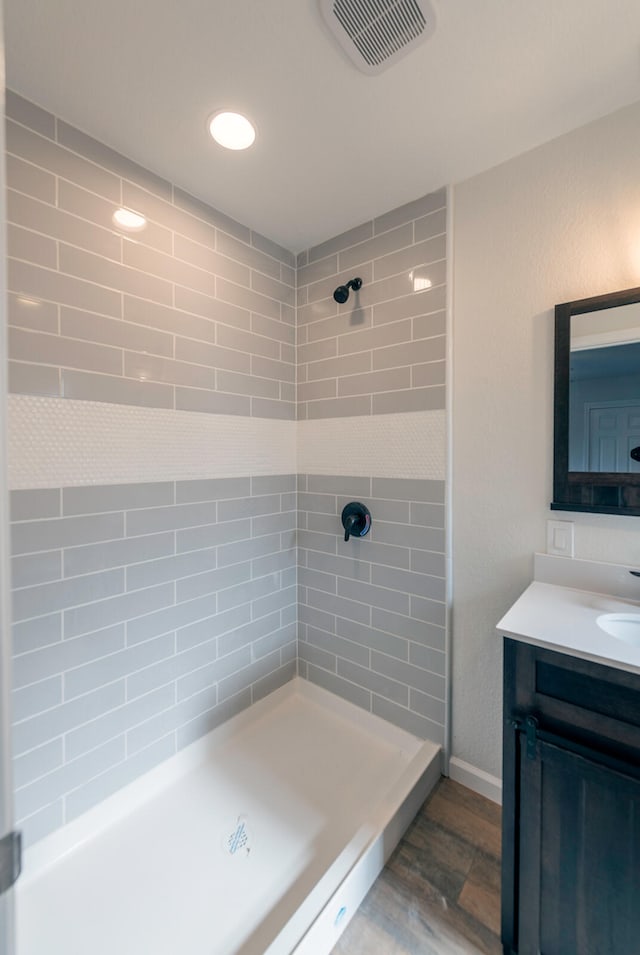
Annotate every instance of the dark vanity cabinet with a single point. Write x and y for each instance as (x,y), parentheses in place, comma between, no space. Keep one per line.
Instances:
(571,805)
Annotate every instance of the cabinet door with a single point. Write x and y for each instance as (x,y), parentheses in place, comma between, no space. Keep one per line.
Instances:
(579,855)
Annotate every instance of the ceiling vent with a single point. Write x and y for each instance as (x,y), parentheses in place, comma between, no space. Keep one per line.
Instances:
(376,33)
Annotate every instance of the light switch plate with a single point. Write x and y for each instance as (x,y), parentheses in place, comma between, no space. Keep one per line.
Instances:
(560,538)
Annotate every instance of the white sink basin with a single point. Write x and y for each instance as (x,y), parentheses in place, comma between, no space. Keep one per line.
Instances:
(622,626)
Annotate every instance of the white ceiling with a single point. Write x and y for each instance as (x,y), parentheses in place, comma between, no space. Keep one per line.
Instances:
(335,147)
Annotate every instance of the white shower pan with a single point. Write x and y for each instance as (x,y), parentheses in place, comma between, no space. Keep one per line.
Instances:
(262,837)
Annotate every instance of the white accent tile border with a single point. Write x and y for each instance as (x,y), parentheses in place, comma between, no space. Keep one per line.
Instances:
(58,442)
(407,445)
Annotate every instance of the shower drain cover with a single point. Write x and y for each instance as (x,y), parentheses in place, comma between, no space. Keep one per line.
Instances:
(236,839)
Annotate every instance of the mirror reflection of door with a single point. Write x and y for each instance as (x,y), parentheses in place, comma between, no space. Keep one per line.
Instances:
(604,390)
(612,432)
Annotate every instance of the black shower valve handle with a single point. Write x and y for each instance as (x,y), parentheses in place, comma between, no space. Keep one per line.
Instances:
(350,526)
(356,520)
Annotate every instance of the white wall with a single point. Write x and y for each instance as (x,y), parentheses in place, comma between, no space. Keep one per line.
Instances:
(559,223)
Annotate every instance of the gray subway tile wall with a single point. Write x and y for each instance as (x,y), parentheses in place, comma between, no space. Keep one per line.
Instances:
(161,318)
(372,629)
(383,351)
(144,614)
(372,612)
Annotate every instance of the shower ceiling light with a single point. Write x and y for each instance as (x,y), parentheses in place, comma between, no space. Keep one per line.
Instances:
(232,130)
(129,220)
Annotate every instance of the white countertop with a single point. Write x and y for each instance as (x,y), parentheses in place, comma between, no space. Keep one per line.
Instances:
(564,619)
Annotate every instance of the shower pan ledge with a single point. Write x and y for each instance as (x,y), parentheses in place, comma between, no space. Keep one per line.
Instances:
(261,838)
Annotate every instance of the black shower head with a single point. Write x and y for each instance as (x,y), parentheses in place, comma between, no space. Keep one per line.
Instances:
(341,294)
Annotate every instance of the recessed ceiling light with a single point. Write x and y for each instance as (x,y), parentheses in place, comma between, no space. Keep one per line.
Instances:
(232,130)
(131,221)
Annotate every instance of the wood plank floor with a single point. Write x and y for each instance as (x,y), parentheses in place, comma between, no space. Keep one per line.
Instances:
(439,893)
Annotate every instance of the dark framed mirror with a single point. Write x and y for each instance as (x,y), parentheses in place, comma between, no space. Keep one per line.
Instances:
(596,461)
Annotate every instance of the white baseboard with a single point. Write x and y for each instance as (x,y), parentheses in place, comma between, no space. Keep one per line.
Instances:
(476,779)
